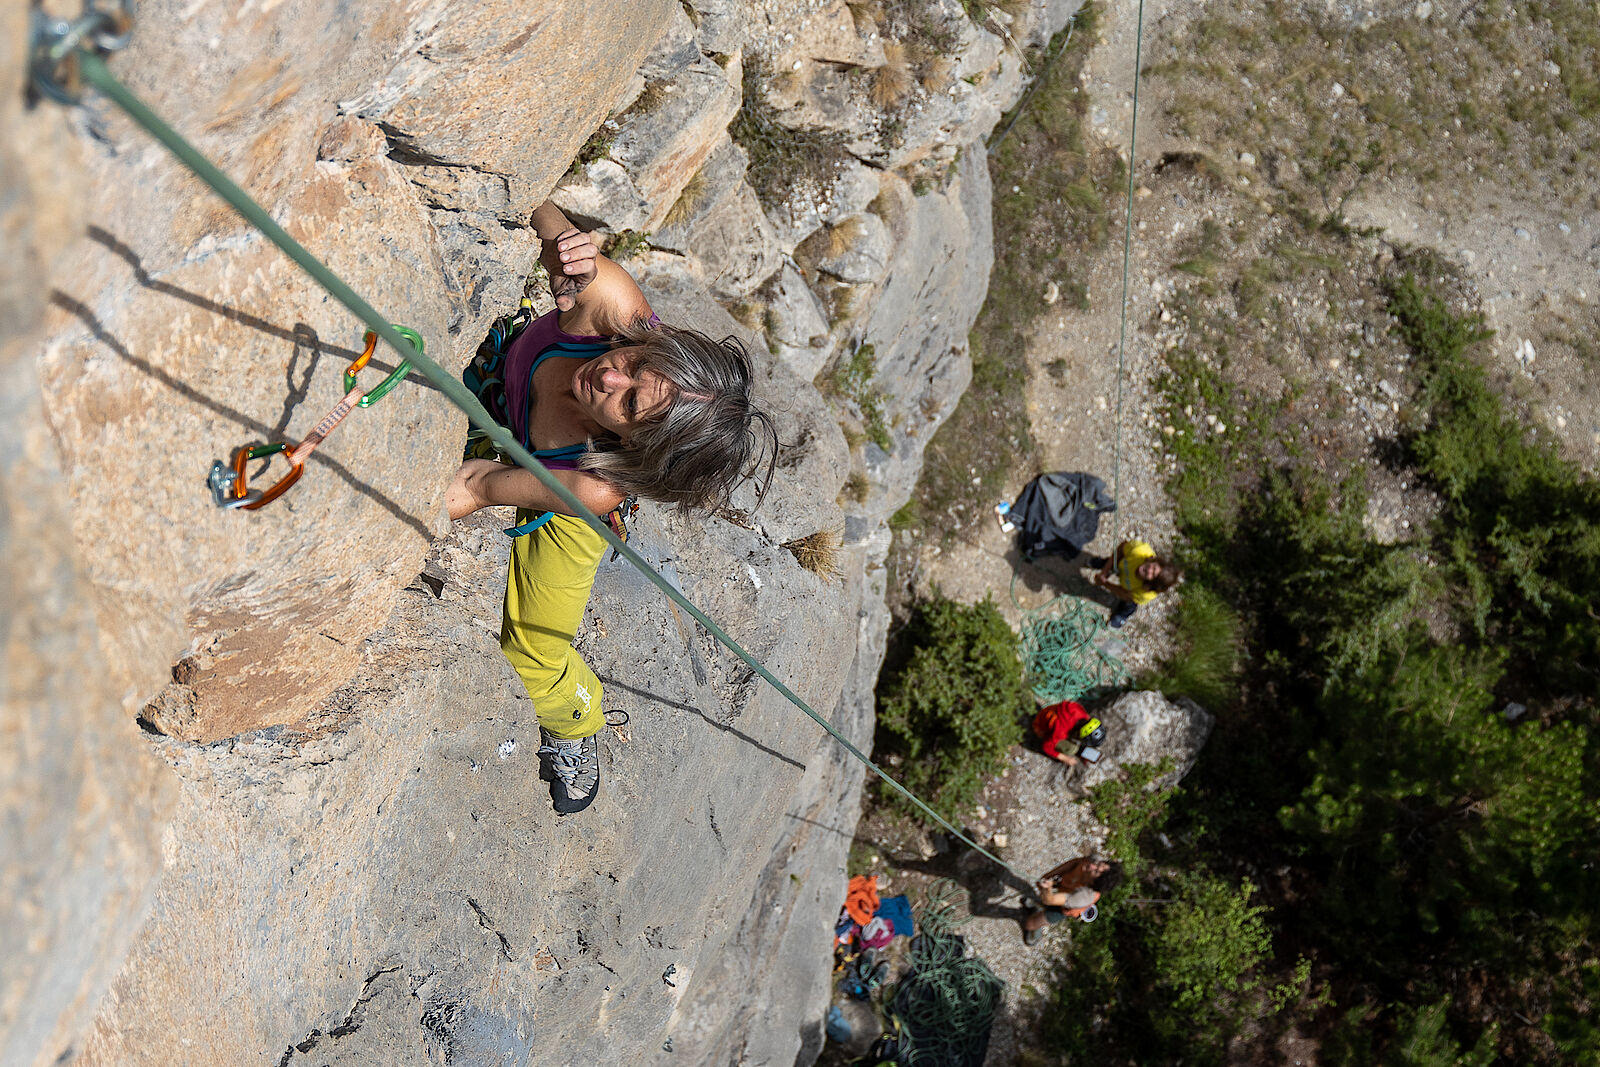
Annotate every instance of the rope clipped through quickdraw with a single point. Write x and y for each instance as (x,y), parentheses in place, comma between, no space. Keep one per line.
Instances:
(95,72)
(1127,252)
(946,1004)
(230,485)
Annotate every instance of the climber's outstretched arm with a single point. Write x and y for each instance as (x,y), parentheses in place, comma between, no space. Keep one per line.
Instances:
(481,483)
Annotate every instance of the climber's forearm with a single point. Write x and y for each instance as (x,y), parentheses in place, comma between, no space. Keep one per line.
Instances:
(550,222)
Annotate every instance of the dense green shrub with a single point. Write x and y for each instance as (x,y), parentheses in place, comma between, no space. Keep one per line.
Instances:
(1204,951)
(1419,850)
(1523,526)
(954,704)
(1132,807)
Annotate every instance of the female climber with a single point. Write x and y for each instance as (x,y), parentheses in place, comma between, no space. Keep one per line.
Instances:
(616,405)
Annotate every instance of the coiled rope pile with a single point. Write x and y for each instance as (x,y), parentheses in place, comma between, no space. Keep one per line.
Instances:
(947,1003)
(1062,653)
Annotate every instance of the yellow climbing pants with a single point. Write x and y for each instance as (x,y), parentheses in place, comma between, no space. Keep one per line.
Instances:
(547,587)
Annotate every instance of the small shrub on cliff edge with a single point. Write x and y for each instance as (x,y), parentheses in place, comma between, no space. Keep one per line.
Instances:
(950,708)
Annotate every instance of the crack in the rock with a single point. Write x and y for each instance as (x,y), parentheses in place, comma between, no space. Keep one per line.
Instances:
(711,813)
(488,924)
(344,1029)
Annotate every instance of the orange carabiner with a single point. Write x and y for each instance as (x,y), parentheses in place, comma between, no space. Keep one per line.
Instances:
(230,484)
(240,495)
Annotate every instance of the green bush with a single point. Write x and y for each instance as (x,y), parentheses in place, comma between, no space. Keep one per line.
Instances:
(1209,941)
(1131,807)
(1522,530)
(953,705)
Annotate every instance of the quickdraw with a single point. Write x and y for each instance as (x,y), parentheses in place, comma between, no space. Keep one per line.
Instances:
(230,483)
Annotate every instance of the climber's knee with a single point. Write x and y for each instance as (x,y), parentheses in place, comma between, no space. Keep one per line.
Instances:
(566,695)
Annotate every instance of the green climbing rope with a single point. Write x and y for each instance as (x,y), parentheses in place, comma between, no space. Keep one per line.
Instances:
(1063,653)
(94,71)
(946,1003)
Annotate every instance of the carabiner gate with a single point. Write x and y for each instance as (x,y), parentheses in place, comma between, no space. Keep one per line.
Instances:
(395,376)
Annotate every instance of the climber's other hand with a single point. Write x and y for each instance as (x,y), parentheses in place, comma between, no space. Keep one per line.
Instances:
(462,497)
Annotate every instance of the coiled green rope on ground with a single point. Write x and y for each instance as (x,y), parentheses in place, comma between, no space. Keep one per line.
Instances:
(947,1003)
(1062,654)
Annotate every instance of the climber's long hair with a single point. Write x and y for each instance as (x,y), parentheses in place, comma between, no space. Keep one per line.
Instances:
(711,437)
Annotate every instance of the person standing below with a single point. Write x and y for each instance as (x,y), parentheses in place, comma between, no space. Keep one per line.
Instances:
(1069,891)
(1140,576)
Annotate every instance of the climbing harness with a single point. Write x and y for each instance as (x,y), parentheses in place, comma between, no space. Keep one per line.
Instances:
(230,484)
(485,376)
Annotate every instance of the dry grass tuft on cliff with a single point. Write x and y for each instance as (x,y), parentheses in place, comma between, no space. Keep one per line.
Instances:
(819,553)
(892,81)
(689,201)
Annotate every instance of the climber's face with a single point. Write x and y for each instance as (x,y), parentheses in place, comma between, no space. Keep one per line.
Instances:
(1148,571)
(617,396)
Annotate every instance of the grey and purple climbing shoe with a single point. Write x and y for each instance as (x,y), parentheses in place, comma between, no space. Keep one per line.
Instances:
(572,767)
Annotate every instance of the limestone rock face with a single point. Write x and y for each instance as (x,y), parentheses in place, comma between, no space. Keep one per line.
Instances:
(719,224)
(856,187)
(602,196)
(1146,727)
(796,323)
(829,35)
(723,25)
(862,255)
(82,799)
(458,914)
(665,143)
(920,323)
(444,97)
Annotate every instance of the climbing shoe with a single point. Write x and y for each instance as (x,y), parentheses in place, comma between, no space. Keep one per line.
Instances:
(1033,937)
(572,767)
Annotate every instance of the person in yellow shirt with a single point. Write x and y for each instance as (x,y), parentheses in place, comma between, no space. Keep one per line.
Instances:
(1141,576)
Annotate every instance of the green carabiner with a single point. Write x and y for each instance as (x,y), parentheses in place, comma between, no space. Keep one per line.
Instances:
(395,377)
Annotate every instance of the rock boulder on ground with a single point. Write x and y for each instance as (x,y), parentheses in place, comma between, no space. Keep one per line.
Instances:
(1146,727)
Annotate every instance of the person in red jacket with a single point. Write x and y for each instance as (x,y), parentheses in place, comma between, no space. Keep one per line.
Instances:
(1066,721)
